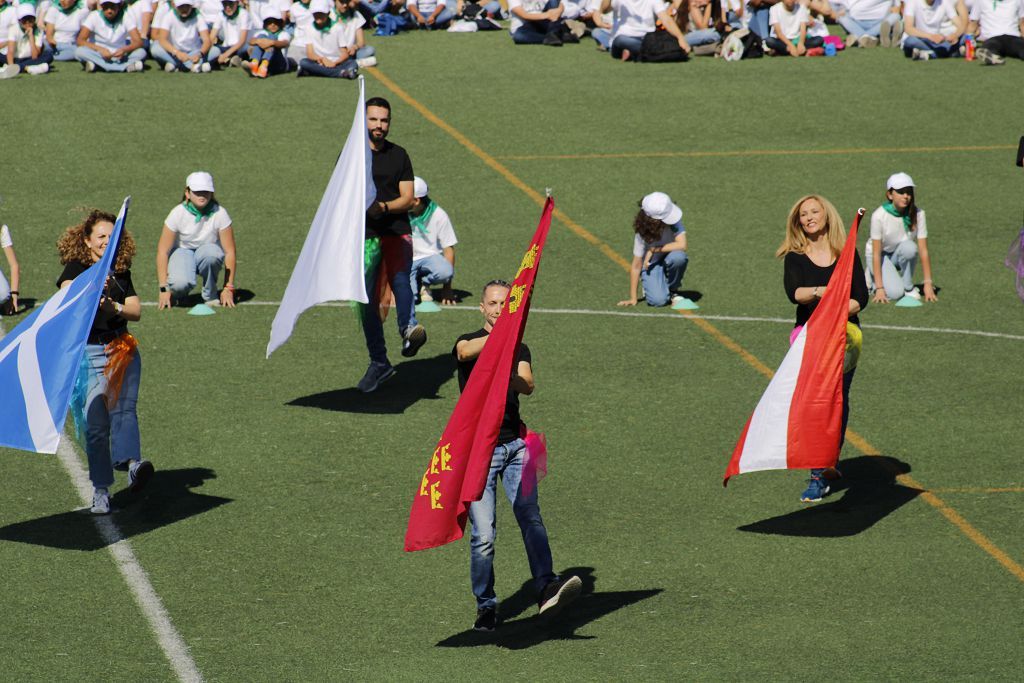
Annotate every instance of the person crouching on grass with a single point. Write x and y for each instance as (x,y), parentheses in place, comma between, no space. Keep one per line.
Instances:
(104,399)
(328,53)
(899,235)
(433,246)
(659,251)
(508,462)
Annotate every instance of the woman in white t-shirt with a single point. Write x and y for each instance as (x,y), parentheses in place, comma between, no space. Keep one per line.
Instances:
(329,52)
(899,236)
(62,23)
(659,251)
(197,240)
(229,31)
(352,23)
(181,39)
(789,21)
(865,20)
(27,49)
(633,19)
(109,40)
(9,290)
(932,28)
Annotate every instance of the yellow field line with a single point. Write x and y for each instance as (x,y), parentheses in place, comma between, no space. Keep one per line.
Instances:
(979,489)
(697,154)
(858,441)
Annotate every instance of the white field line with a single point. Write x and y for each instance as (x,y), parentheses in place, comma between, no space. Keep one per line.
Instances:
(171,642)
(729,318)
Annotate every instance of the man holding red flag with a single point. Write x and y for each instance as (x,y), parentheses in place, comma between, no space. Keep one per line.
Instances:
(510,461)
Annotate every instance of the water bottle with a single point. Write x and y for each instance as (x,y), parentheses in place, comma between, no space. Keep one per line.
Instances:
(969,48)
(830,50)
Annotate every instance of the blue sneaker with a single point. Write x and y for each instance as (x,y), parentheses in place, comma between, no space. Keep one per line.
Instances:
(375,375)
(817,488)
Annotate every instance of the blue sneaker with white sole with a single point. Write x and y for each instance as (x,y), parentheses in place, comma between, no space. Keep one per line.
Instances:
(817,488)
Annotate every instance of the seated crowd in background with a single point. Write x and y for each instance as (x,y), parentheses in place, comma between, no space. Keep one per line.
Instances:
(326,37)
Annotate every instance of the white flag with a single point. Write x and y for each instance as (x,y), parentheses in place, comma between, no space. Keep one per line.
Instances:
(330,266)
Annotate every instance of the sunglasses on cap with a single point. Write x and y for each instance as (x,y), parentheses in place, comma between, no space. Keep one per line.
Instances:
(903,190)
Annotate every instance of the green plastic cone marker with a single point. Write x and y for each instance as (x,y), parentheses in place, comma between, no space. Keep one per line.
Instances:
(201,309)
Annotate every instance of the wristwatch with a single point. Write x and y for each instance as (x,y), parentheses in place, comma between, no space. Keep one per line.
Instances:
(163,288)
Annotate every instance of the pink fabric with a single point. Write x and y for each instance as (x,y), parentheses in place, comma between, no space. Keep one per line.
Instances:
(836,41)
(536,466)
(795,333)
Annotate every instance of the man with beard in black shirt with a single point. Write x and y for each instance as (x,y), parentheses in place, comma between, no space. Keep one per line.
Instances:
(388,248)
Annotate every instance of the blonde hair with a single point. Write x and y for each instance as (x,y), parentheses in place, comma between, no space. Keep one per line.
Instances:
(796,240)
(72,247)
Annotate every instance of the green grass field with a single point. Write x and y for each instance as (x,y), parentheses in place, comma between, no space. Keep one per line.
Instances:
(273,531)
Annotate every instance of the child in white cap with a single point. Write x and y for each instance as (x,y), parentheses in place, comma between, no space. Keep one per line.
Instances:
(197,240)
(26,48)
(433,246)
(899,236)
(267,46)
(659,251)
(181,39)
(229,31)
(327,51)
(109,40)
(9,290)
(62,22)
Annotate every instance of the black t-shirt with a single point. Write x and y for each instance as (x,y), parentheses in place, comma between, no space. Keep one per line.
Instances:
(801,271)
(118,289)
(511,423)
(391,165)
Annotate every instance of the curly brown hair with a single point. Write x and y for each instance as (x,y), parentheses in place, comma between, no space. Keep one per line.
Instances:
(648,228)
(72,247)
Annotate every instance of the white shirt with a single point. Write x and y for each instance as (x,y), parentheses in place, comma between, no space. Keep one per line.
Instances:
(5,237)
(528,6)
(349,27)
(998,17)
(789,22)
(439,234)
(228,30)
(426,7)
(8,18)
(193,234)
(258,9)
(635,18)
(327,43)
(66,26)
(668,235)
(183,35)
(303,20)
(868,10)
(137,11)
(937,18)
(22,44)
(107,36)
(890,230)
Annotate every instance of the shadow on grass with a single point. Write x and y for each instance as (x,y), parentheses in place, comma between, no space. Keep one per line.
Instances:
(535,629)
(169,498)
(414,380)
(691,294)
(871,494)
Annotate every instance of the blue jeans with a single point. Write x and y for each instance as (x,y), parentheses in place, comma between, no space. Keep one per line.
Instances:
(507,461)
(942,49)
(704,36)
(45,57)
(623,43)
(366,51)
(65,52)
(277,62)
(374,8)
(603,37)
(111,436)
(85,54)
(431,270)
(312,68)
(164,57)
(185,264)
(663,277)
(405,303)
(759,22)
(442,21)
(492,9)
(533,32)
(898,269)
(860,28)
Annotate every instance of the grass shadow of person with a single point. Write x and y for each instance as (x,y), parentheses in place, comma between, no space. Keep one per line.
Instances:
(170,497)
(691,294)
(536,629)
(871,494)
(414,380)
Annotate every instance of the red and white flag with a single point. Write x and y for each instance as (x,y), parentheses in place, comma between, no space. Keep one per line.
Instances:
(797,422)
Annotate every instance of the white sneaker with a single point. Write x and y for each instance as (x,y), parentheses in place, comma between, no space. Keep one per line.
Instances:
(100,502)
(170,68)
(89,67)
(134,66)
(867,41)
(205,67)
(366,61)
(9,71)
(37,69)
(913,294)
(425,294)
(921,55)
(235,61)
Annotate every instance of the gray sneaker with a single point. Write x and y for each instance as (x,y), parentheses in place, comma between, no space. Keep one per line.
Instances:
(414,338)
(988,57)
(558,594)
(100,502)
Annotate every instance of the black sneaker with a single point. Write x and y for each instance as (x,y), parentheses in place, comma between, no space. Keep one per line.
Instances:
(568,36)
(415,337)
(375,376)
(486,619)
(558,594)
(139,472)
(553,40)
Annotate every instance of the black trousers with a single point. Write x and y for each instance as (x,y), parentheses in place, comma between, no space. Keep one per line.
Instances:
(1006,46)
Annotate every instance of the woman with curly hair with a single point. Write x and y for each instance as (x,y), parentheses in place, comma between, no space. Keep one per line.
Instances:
(815,236)
(659,251)
(107,389)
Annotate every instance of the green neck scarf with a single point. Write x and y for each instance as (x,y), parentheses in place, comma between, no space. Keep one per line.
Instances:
(74,8)
(197,212)
(189,17)
(117,19)
(891,210)
(326,27)
(420,222)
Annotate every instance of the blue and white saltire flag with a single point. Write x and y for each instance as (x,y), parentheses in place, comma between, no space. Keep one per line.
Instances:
(330,265)
(39,358)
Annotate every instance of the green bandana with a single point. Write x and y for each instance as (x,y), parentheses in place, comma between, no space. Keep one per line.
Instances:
(75,7)
(890,209)
(117,19)
(371,259)
(326,27)
(420,222)
(184,19)
(197,212)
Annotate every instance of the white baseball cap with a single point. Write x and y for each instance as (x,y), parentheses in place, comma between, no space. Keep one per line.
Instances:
(897,181)
(110,2)
(26,10)
(319,7)
(419,187)
(272,13)
(659,206)
(182,3)
(200,181)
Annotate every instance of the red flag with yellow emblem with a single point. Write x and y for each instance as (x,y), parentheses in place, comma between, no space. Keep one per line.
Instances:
(457,471)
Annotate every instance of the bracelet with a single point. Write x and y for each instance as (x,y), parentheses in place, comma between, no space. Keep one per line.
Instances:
(15,292)
(386,209)
(928,282)
(230,286)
